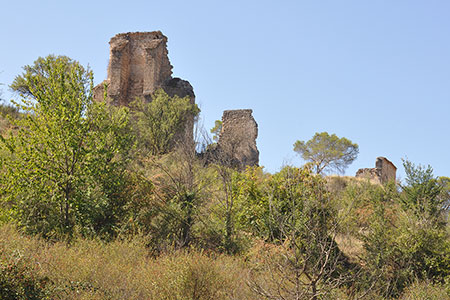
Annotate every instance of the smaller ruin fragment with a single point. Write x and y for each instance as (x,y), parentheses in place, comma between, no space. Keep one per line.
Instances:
(383,172)
(237,140)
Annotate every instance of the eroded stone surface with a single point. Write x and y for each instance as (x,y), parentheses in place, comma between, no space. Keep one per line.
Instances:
(383,172)
(237,140)
(138,66)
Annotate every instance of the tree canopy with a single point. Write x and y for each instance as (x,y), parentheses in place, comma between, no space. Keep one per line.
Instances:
(216,130)
(423,193)
(159,123)
(41,72)
(66,163)
(327,152)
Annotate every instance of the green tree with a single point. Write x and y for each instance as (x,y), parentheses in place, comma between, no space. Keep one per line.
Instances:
(40,74)
(66,164)
(423,192)
(216,130)
(327,152)
(161,123)
(444,182)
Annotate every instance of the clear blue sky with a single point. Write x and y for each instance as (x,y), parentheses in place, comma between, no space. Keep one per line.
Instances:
(376,72)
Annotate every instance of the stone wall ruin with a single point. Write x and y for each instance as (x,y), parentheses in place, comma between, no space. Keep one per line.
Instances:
(139,65)
(384,171)
(236,146)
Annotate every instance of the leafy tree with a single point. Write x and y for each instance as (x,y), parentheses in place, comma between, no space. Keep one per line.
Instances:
(40,74)
(400,248)
(387,269)
(423,192)
(160,123)
(227,205)
(66,163)
(168,209)
(444,182)
(216,130)
(327,152)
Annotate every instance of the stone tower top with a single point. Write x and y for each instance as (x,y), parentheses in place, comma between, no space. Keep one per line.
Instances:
(138,66)
(237,140)
(140,35)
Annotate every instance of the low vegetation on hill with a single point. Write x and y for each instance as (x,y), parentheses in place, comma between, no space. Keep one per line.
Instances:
(95,203)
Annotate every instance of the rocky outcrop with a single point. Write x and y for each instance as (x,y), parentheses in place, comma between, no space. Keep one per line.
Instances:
(138,66)
(383,172)
(236,146)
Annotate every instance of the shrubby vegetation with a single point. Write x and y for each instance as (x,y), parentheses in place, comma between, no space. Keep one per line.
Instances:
(157,123)
(65,168)
(100,202)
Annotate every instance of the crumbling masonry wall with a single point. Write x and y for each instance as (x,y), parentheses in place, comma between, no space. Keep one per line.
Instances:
(383,172)
(138,66)
(237,140)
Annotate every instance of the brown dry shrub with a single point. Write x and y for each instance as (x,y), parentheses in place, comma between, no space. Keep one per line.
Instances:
(89,269)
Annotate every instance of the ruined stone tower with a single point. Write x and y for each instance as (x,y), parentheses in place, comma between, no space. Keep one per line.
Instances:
(237,140)
(383,172)
(138,66)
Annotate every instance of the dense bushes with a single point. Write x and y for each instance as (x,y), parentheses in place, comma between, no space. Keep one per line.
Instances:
(403,232)
(126,215)
(19,280)
(117,270)
(64,170)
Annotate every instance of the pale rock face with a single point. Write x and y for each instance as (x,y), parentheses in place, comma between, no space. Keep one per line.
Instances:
(383,172)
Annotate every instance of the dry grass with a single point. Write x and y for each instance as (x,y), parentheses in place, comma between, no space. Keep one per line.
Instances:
(123,270)
(350,245)
(425,290)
